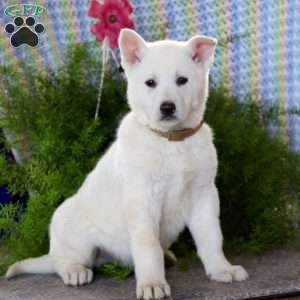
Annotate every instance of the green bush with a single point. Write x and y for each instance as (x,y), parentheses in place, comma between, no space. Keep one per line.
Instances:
(52,119)
(54,115)
(258,176)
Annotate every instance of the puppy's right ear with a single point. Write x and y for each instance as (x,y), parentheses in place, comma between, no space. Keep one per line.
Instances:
(132,47)
(202,49)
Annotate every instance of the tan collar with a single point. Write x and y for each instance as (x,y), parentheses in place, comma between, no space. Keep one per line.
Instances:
(178,135)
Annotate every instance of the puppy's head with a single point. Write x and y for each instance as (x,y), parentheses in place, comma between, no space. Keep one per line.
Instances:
(167,80)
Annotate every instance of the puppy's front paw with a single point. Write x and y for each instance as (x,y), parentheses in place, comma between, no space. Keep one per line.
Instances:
(153,291)
(229,274)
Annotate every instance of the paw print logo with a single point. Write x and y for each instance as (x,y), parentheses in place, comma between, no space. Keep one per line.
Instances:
(24,32)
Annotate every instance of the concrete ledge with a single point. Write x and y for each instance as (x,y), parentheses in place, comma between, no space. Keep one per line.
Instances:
(277,271)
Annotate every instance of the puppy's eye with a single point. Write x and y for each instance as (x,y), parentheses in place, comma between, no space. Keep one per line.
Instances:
(181,80)
(151,83)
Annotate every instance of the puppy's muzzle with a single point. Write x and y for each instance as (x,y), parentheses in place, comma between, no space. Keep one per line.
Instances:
(167,110)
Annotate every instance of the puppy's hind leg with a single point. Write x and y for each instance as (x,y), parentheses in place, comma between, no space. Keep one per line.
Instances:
(73,261)
(74,274)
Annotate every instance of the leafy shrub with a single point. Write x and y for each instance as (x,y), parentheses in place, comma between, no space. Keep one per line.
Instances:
(53,120)
(258,176)
(55,117)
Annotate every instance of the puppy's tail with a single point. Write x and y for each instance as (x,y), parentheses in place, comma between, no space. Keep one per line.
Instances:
(38,265)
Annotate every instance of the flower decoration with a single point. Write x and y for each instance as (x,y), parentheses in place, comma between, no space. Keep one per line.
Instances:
(113,15)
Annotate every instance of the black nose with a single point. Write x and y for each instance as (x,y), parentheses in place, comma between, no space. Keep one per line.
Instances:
(167,109)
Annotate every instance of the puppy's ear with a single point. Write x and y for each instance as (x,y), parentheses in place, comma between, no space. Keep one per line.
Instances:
(202,49)
(132,47)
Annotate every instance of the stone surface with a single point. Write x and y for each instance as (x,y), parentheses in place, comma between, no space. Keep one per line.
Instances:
(275,272)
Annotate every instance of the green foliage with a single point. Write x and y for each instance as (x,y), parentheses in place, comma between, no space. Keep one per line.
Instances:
(258,177)
(115,271)
(8,215)
(51,117)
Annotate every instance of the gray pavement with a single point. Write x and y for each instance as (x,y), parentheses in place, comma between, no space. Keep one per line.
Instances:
(277,271)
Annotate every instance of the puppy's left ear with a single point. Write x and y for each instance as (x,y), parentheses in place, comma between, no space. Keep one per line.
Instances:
(202,49)
(132,47)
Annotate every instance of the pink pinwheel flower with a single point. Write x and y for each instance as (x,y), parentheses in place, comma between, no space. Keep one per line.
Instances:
(113,15)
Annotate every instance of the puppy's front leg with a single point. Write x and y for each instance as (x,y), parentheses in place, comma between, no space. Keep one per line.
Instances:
(146,250)
(204,225)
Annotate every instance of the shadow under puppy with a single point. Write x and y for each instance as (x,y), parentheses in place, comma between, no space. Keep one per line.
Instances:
(155,179)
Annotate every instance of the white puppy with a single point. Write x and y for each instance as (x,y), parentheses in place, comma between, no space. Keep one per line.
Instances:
(156,178)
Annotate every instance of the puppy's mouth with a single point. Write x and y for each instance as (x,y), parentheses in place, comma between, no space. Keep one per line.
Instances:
(168,118)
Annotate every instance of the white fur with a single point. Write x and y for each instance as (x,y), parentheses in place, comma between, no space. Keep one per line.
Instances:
(146,189)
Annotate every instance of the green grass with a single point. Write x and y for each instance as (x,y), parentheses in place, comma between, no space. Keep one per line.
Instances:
(114,270)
